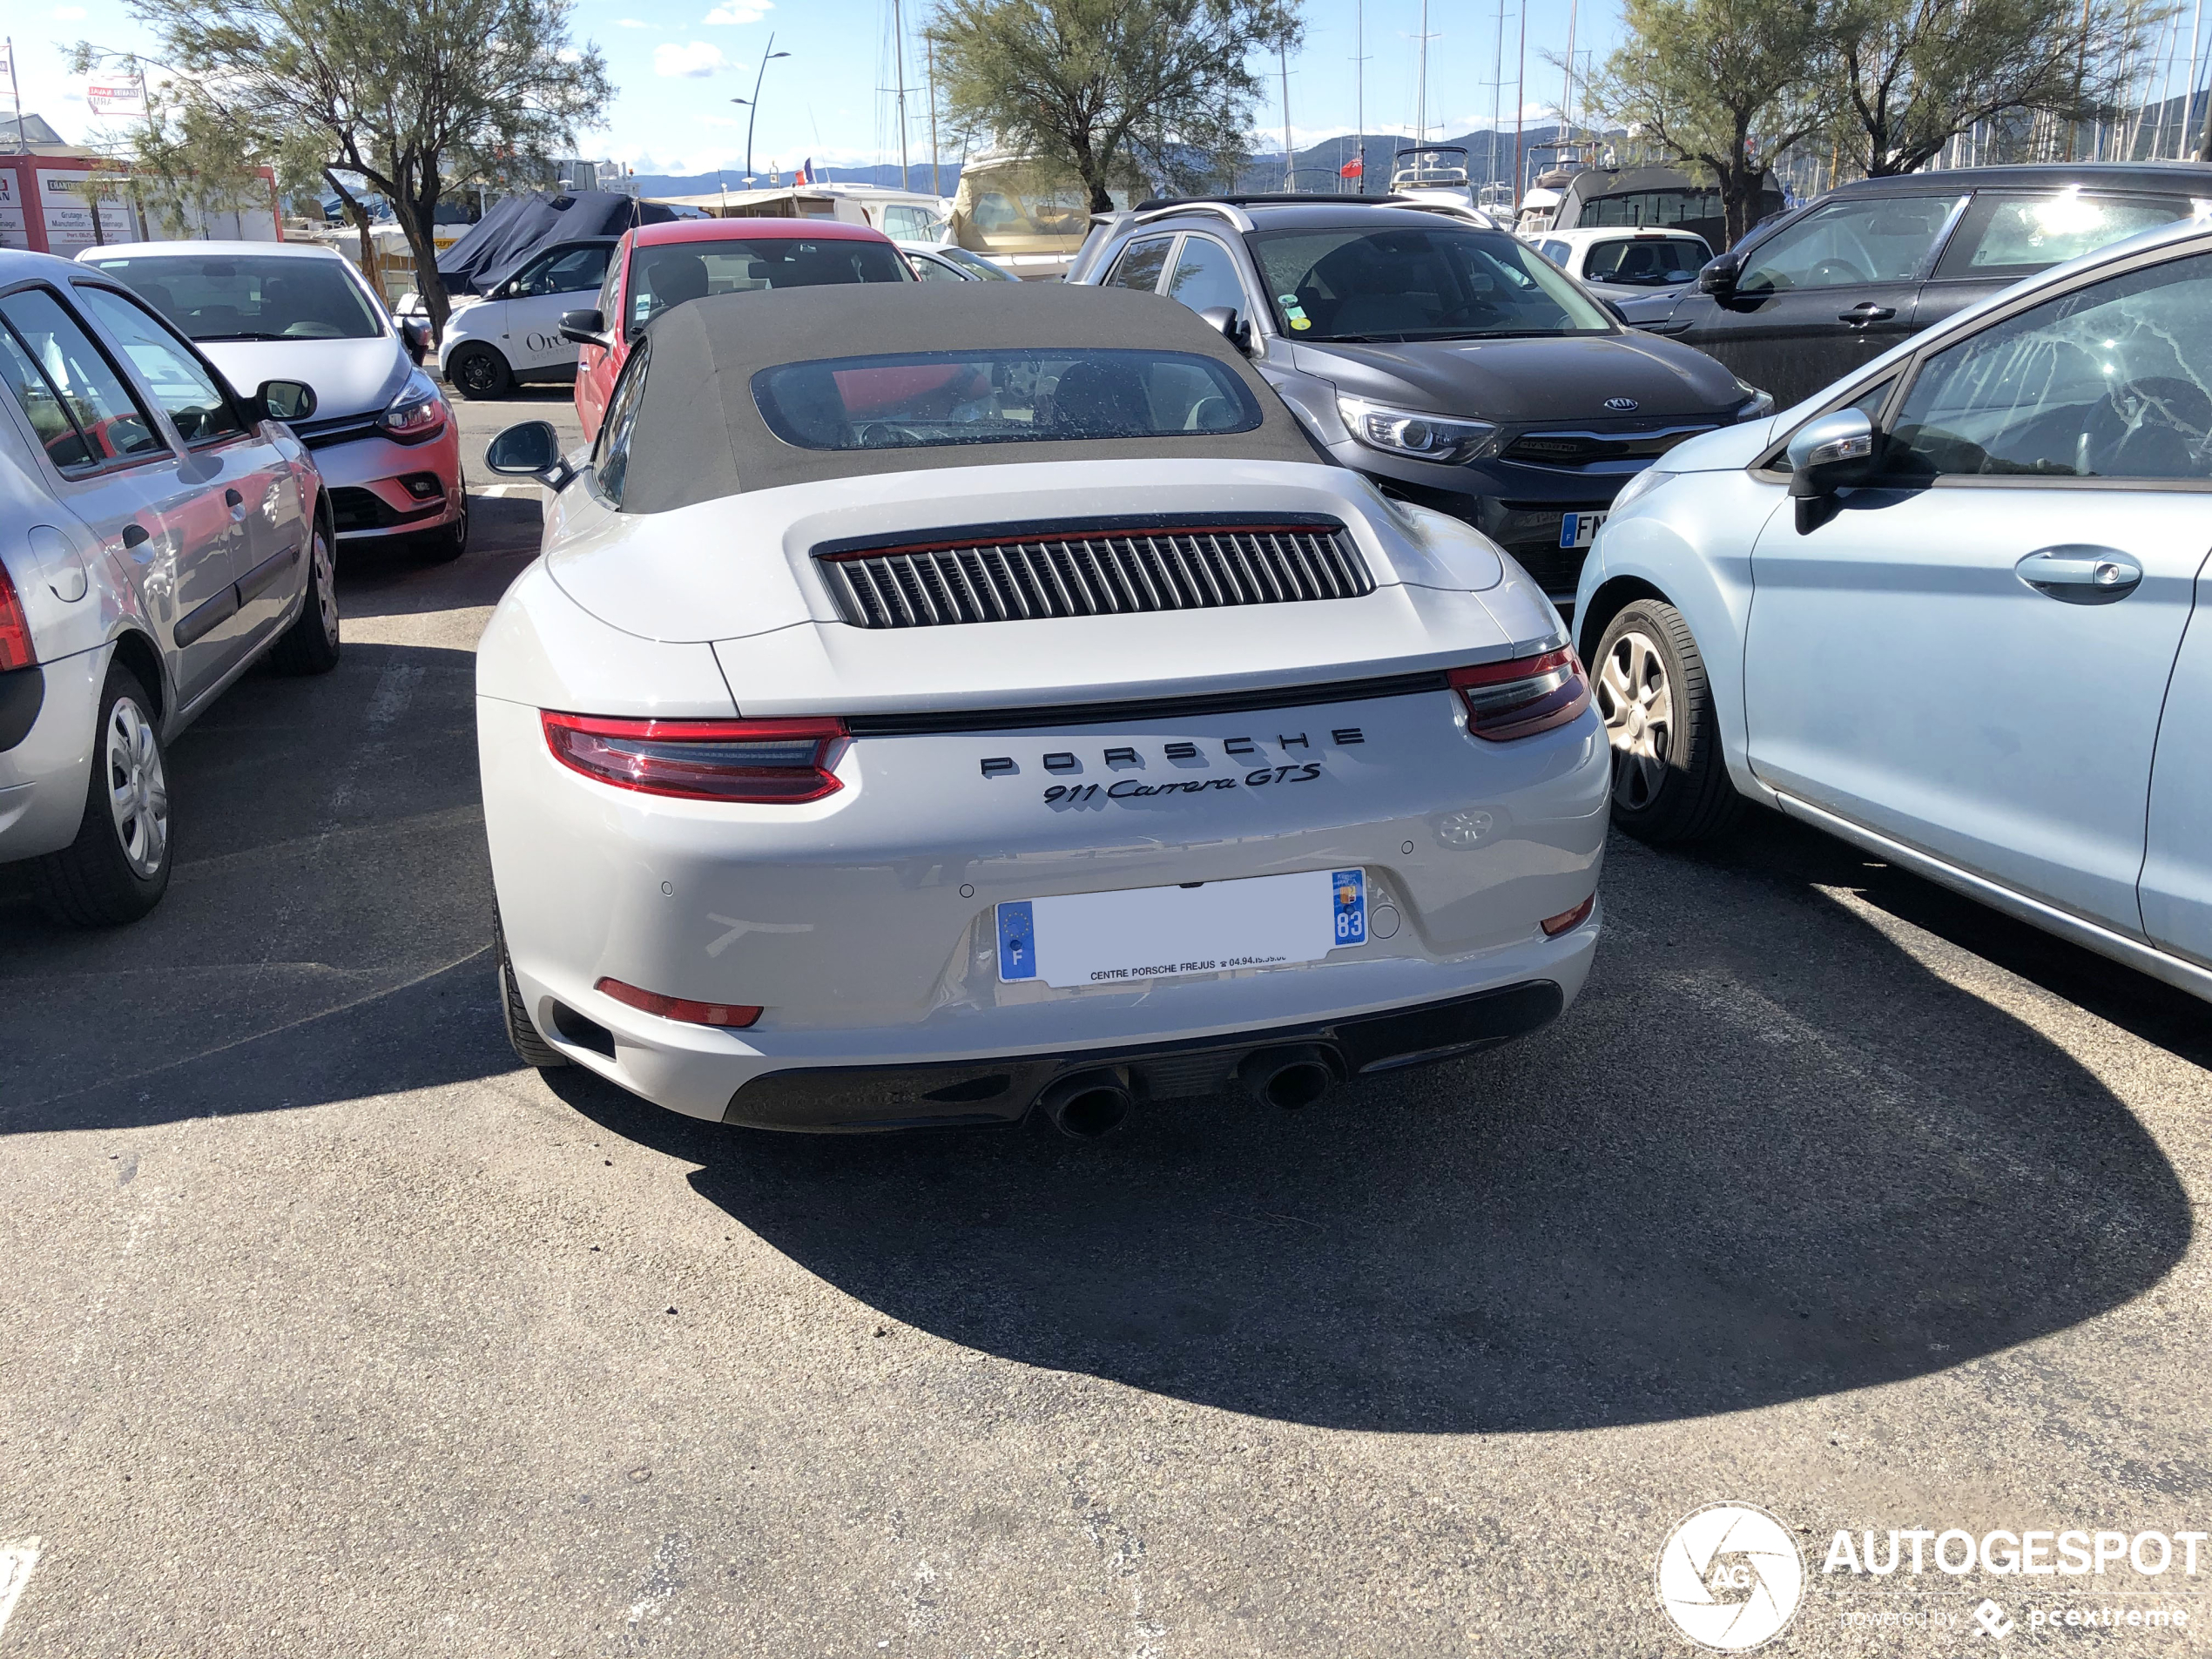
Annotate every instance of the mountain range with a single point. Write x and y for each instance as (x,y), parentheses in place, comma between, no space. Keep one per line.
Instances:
(1314,167)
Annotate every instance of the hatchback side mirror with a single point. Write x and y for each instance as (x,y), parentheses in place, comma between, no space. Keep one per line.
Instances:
(1826,455)
(286,401)
(1717,277)
(529,450)
(1232,327)
(584,327)
(414,335)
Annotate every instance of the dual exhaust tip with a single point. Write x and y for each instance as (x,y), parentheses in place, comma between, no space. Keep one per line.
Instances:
(1086,1104)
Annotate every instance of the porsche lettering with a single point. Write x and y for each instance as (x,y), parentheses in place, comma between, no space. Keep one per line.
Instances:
(1121,755)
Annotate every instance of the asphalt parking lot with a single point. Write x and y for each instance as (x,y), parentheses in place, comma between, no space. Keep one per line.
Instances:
(327,1330)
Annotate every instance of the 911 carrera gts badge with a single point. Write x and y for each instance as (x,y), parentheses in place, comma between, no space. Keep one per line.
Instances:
(1186,758)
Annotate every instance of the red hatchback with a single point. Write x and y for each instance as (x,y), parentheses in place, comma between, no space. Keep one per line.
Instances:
(656,267)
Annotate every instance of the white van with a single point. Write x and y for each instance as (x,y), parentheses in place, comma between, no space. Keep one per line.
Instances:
(513,333)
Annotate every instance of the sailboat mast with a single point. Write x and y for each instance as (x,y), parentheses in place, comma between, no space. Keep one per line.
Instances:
(1420,95)
(899,61)
(1359,86)
(935,184)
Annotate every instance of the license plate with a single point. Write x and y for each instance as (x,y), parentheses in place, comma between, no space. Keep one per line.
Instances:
(1164,933)
(1579,530)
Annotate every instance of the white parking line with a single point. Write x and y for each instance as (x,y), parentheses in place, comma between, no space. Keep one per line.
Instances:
(18,1557)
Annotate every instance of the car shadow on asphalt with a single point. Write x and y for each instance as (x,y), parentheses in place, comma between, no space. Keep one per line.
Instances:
(1785,854)
(1723,1180)
(327,930)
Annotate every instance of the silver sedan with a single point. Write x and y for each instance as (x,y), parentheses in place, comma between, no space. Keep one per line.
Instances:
(159,533)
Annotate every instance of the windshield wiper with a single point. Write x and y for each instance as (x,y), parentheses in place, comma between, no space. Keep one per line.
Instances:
(239,336)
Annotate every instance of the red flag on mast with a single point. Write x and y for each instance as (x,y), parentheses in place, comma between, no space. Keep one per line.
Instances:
(1354,168)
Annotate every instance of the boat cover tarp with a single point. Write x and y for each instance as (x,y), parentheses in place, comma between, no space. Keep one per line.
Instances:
(519,227)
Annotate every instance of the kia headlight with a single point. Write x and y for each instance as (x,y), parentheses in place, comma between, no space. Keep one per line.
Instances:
(1643,484)
(1760,403)
(417,413)
(1407,432)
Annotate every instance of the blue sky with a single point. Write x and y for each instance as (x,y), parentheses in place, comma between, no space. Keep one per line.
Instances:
(678,64)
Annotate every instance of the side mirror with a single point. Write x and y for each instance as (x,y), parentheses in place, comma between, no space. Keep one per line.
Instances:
(415,336)
(529,450)
(585,328)
(1717,277)
(1612,309)
(1231,327)
(286,401)
(1826,455)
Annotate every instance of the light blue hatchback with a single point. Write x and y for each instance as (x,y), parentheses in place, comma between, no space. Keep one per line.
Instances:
(1955,608)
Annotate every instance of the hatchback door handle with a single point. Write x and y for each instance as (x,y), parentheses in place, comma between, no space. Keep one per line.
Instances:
(1866,311)
(2080,575)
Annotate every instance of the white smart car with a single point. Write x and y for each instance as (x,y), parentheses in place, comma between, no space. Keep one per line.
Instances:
(513,334)
(938,701)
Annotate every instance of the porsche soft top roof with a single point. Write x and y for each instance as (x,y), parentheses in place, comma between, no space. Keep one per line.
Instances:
(700,437)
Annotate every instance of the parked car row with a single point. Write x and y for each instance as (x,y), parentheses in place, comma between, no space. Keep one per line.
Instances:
(1944,609)
(159,533)
(1349,817)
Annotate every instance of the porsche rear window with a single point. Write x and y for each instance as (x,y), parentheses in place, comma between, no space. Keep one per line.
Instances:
(919,400)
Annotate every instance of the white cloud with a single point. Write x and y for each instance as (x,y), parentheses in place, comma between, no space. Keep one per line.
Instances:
(631,22)
(68,14)
(740,11)
(569,55)
(695,60)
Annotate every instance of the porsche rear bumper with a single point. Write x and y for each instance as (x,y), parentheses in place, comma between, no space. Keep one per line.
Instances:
(864,923)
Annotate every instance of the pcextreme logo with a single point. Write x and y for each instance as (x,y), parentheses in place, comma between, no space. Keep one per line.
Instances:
(1730,1577)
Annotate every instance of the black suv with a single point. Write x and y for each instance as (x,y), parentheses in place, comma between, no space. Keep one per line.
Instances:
(1834,284)
(1449,361)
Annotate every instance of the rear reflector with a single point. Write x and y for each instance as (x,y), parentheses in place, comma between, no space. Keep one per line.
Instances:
(678,1008)
(776,762)
(16,650)
(1521,697)
(1568,921)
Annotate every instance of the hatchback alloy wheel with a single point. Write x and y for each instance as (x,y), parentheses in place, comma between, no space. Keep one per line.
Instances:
(325,570)
(138,789)
(1638,706)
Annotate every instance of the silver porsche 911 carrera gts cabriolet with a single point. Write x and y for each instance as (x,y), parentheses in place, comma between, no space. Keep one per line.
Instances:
(944,701)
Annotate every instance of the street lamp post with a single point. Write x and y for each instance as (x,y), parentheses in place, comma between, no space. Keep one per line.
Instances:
(752,104)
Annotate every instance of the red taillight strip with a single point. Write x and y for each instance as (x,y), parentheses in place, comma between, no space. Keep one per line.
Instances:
(1523,697)
(650,756)
(15,649)
(731,1014)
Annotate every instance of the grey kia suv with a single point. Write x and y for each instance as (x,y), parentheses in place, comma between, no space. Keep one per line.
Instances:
(1453,365)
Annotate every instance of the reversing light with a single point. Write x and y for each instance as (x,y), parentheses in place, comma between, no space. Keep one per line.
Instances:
(1568,921)
(15,649)
(771,762)
(1523,697)
(678,1008)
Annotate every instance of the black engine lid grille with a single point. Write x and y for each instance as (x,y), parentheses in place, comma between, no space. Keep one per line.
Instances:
(1030,573)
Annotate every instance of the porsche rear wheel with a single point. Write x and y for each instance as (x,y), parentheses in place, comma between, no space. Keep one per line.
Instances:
(529,1047)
